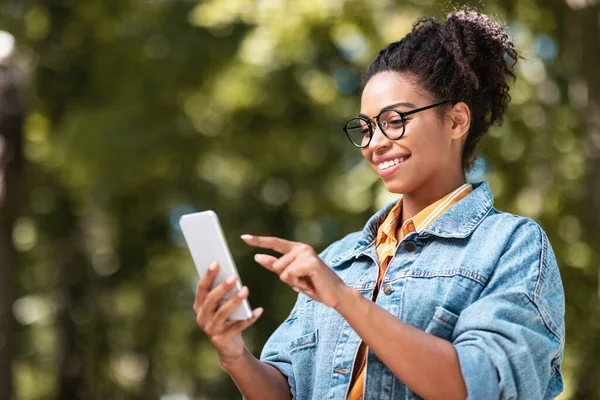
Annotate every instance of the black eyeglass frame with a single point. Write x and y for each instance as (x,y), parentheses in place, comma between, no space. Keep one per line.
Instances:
(402,115)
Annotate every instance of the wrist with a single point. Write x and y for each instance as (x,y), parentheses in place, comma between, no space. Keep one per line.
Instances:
(349,298)
(229,364)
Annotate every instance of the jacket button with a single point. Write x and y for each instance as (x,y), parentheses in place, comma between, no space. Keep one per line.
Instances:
(388,289)
(410,247)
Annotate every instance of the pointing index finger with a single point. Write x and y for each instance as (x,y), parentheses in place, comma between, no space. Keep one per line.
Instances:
(267,242)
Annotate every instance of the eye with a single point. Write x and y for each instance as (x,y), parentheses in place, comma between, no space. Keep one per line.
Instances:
(391,118)
(395,122)
(364,128)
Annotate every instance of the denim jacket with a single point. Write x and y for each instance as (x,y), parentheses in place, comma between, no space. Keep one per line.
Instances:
(485,280)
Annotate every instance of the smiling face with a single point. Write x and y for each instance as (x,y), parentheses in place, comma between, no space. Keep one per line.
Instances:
(428,155)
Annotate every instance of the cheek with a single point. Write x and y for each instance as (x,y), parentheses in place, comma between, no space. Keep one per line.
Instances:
(427,142)
(366,153)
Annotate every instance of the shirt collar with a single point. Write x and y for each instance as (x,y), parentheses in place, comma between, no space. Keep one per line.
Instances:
(459,221)
(421,220)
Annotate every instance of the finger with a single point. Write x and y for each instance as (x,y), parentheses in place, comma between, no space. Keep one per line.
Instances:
(301,285)
(306,286)
(240,326)
(265,261)
(215,295)
(291,277)
(268,242)
(205,283)
(228,307)
(298,275)
(284,261)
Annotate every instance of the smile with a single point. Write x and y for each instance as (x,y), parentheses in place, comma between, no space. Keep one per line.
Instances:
(389,164)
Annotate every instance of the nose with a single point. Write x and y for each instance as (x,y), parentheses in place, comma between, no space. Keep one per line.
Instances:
(379,140)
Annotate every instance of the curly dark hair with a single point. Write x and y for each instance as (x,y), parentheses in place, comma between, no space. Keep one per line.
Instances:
(468,58)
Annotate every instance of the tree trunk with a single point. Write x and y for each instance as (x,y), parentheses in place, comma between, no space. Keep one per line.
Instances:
(11,168)
(587,21)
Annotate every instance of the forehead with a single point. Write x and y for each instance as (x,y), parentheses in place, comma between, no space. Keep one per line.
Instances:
(386,88)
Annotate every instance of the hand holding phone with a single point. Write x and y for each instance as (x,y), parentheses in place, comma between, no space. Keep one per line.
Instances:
(206,242)
(225,336)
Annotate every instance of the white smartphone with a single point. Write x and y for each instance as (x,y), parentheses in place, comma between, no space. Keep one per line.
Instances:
(205,239)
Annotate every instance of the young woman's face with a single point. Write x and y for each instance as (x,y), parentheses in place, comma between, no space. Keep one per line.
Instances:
(425,152)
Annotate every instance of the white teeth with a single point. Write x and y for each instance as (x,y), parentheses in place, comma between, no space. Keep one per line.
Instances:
(391,163)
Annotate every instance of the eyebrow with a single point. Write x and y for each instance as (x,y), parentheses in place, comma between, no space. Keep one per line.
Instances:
(392,106)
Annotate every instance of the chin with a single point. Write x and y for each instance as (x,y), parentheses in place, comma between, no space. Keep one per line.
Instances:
(396,187)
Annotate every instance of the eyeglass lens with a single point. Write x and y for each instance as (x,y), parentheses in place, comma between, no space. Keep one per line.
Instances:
(390,121)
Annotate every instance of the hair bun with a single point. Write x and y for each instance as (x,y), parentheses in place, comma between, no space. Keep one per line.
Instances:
(479,43)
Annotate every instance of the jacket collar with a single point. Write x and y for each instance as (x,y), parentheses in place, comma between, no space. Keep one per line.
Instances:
(459,221)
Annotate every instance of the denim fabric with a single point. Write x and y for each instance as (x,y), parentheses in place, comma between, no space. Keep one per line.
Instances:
(485,280)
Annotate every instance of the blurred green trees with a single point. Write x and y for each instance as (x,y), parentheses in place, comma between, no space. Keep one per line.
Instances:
(140,111)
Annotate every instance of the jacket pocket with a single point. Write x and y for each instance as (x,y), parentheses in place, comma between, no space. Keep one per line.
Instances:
(442,324)
(303,357)
(304,341)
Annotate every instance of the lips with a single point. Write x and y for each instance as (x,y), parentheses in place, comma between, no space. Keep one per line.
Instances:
(390,163)
(390,166)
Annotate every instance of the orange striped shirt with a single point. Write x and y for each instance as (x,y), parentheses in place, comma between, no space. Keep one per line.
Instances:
(386,244)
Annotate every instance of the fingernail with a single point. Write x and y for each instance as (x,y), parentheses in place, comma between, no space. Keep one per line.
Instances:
(258,312)
(247,237)
(257,257)
(212,266)
(243,291)
(230,280)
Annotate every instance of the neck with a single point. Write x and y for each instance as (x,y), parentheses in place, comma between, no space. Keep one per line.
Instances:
(416,201)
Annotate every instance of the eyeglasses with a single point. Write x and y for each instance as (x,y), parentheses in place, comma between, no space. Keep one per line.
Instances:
(391,122)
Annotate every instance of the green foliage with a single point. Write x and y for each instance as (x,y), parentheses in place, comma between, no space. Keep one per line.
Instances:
(140,110)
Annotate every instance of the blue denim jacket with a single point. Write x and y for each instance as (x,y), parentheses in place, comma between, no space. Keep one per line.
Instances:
(485,280)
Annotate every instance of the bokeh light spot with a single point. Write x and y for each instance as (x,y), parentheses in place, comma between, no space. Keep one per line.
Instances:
(569,228)
(350,40)
(129,368)
(7,44)
(37,23)
(578,254)
(533,70)
(33,309)
(308,231)
(276,192)
(545,47)
(24,234)
(346,80)
(530,202)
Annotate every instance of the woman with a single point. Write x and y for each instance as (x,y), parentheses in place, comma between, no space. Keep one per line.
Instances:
(440,296)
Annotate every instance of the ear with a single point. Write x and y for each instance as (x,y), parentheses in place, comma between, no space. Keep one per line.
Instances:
(460,120)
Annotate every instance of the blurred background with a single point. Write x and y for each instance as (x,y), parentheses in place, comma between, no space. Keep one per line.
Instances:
(119,116)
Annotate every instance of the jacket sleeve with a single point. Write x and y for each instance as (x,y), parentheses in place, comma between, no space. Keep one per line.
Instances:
(276,350)
(510,341)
